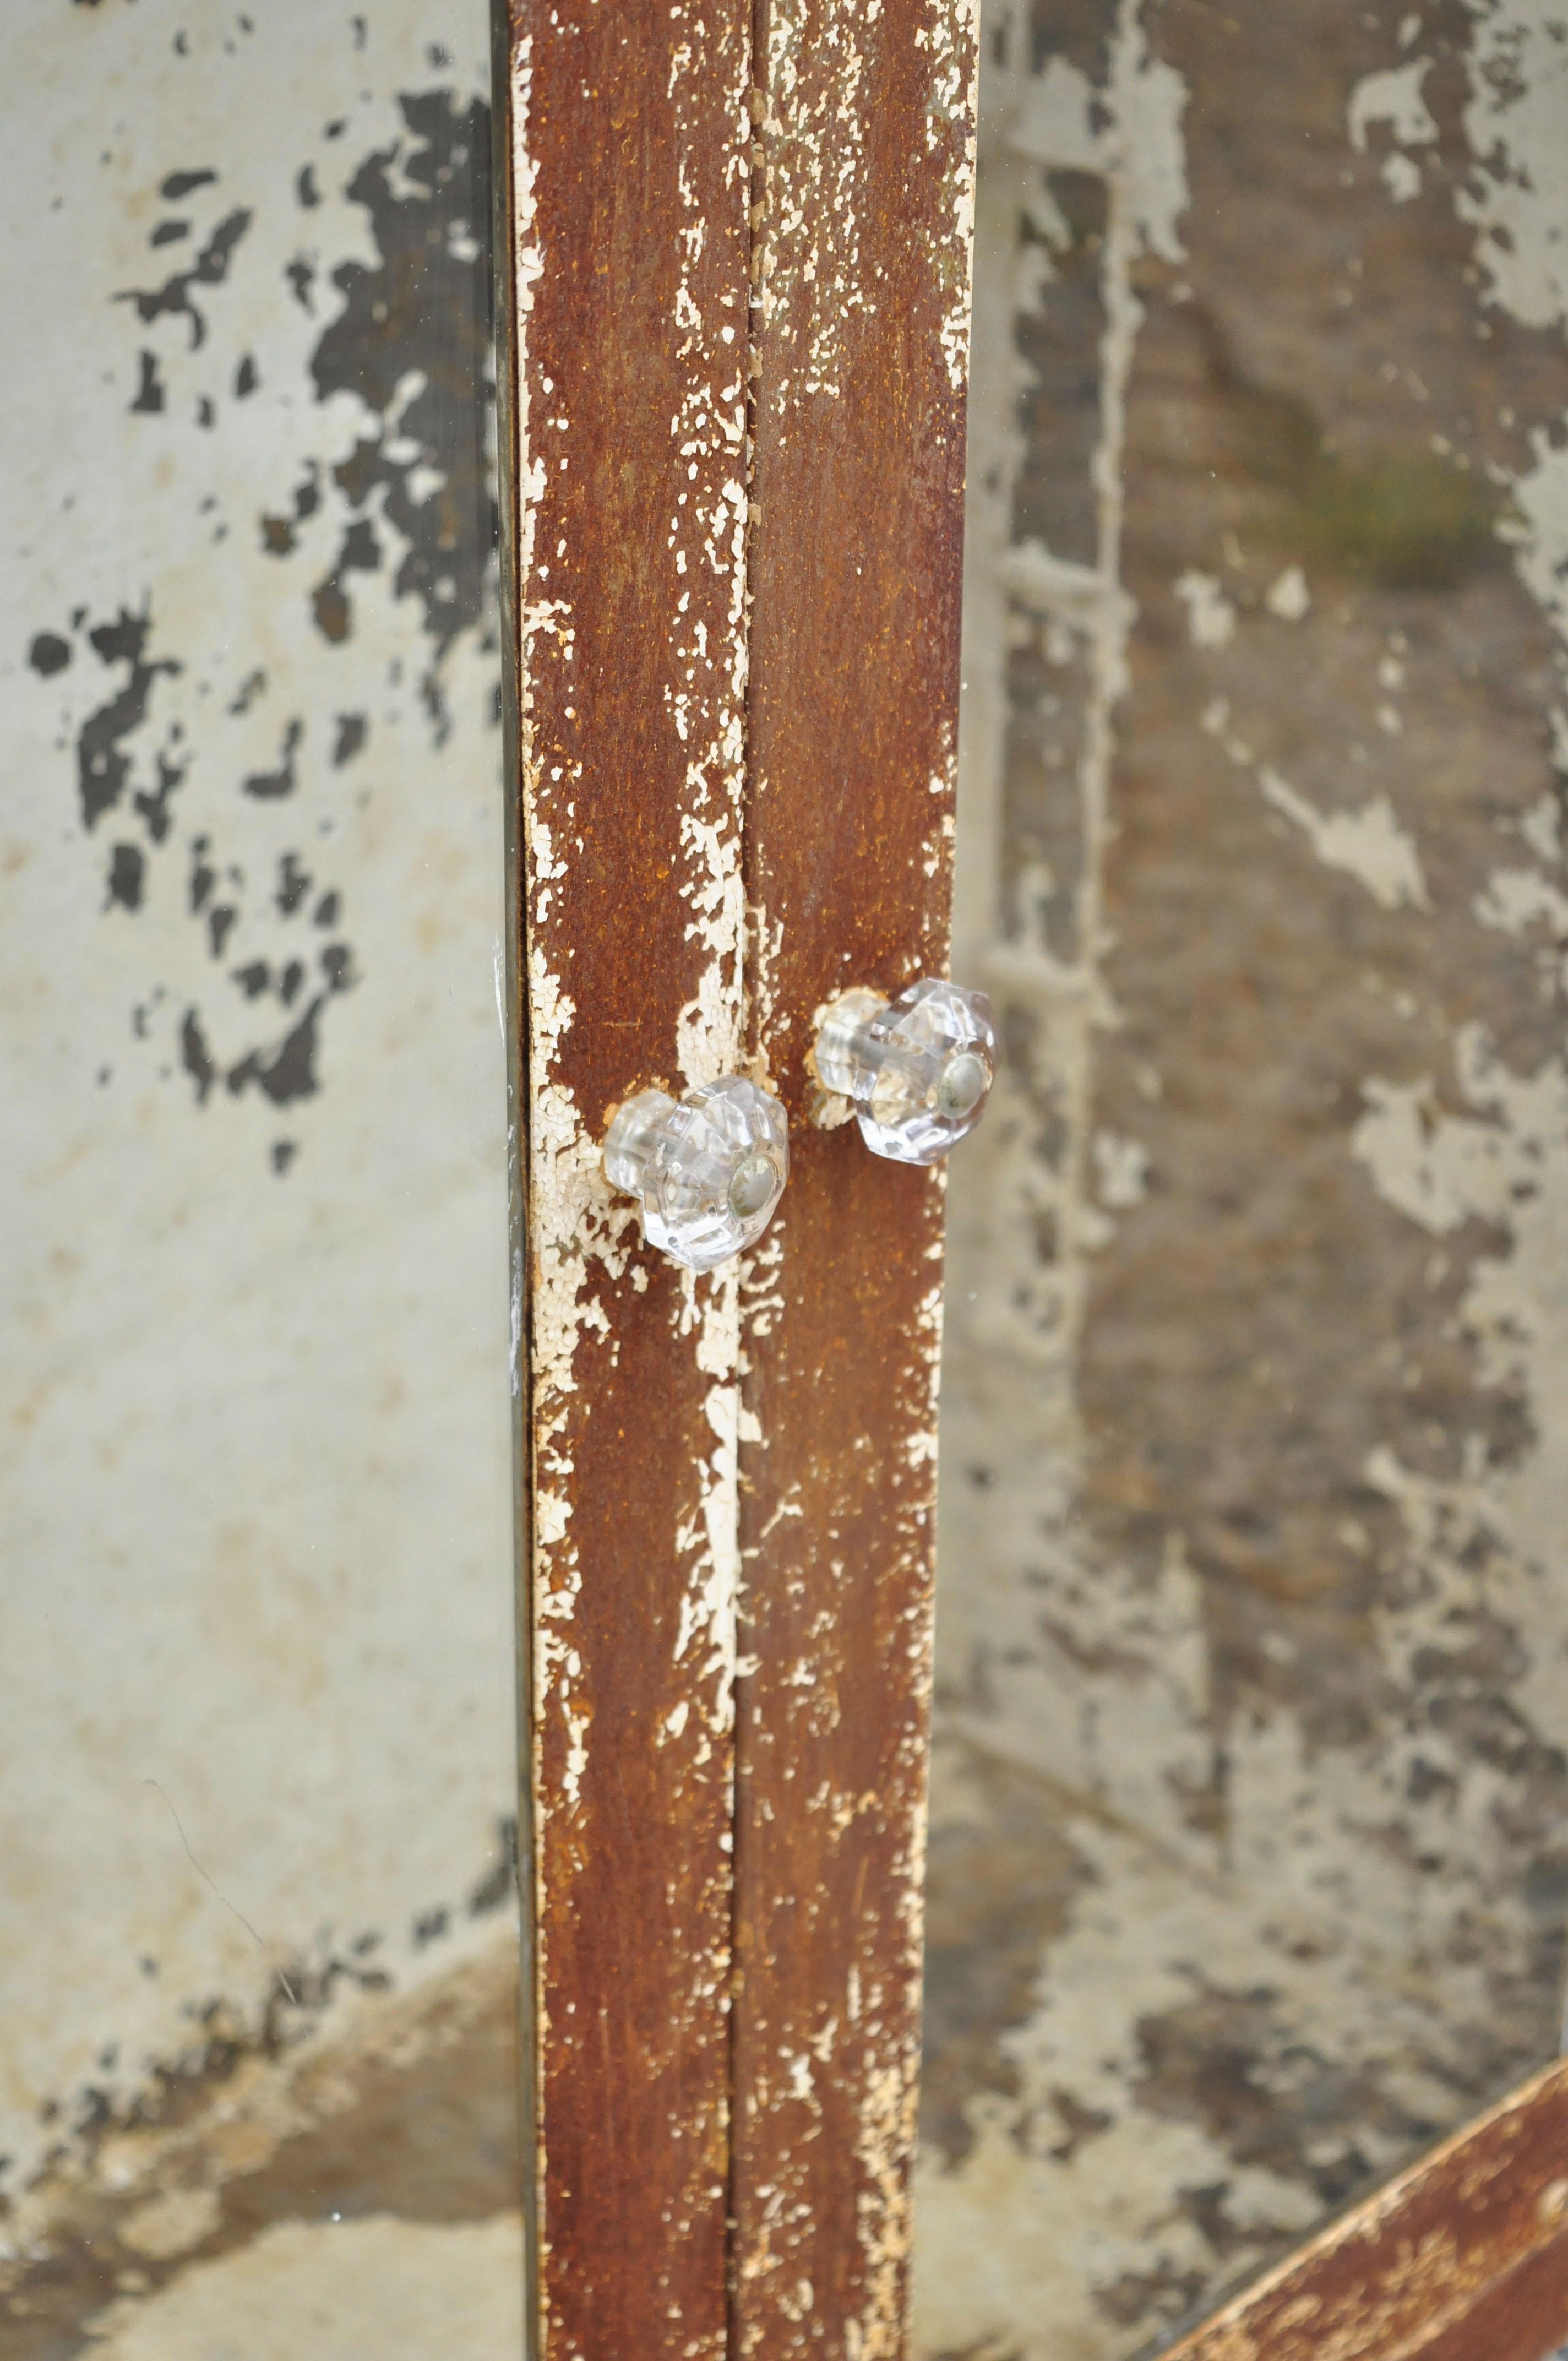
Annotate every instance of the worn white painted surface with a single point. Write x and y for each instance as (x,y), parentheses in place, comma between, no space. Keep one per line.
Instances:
(1182,1891)
(255,1485)
(326,2289)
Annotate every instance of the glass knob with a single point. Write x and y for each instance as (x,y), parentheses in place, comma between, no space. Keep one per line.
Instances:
(917,1070)
(707,1169)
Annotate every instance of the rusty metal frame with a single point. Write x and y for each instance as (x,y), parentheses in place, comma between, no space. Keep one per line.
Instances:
(733,255)
(1464,2255)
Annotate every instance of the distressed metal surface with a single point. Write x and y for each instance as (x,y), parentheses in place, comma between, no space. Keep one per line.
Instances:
(258,1751)
(1248,1876)
(628,260)
(1465,2254)
(642,233)
(862,273)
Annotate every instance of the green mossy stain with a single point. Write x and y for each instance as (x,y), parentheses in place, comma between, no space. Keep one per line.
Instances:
(1405,518)
(1411,520)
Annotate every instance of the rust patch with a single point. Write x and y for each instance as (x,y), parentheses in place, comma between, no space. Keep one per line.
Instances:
(1464,2254)
(627,260)
(866,139)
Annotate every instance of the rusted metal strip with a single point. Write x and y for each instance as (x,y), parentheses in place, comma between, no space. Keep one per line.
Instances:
(627,263)
(1464,2255)
(861,334)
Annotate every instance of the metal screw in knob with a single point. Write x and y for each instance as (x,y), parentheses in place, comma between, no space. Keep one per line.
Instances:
(916,1068)
(707,1169)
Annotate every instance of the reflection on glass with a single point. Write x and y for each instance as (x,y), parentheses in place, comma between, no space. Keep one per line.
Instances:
(1247,1872)
(257,1760)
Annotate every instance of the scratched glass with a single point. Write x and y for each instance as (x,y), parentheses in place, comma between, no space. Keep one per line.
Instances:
(1247,1877)
(257,1758)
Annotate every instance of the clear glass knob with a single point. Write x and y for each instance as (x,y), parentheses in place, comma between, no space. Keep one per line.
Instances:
(707,1169)
(917,1068)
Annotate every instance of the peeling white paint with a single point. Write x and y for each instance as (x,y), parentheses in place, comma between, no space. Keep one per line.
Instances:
(1122,1167)
(1517,200)
(1393,97)
(1288,596)
(256,1493)
(1368,844)
(1210,617)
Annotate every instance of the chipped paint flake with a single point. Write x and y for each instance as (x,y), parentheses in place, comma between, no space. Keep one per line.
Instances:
(1368,844)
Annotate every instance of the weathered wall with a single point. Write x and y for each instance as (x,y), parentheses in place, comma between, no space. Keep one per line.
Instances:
(1247,1872)
(257,1760)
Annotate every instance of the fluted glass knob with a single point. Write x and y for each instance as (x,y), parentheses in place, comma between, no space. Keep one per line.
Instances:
(917,1068)
(707,1169)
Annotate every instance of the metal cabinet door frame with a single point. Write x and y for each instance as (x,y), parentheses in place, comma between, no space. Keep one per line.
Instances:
(734,257)
(734,247)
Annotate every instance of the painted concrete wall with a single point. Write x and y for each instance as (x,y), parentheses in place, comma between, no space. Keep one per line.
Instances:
(1247,1870)
(257,1759)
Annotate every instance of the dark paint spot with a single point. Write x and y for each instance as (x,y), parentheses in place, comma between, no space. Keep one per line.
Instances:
(283,1154)
(120,641)
(289,1071)
(49,654)
(423,305)
(247,692)
(500,1885)
(208,269)
(360,554)
(195,1055)
(149,394)
(270,786)
(293,884)
(337,126)
(429,1927)
(127,873)
(153,805)
(419,312)
(94,2113)
(353,728)
(180,184)
(102,765)
(169,233)
(277,535)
